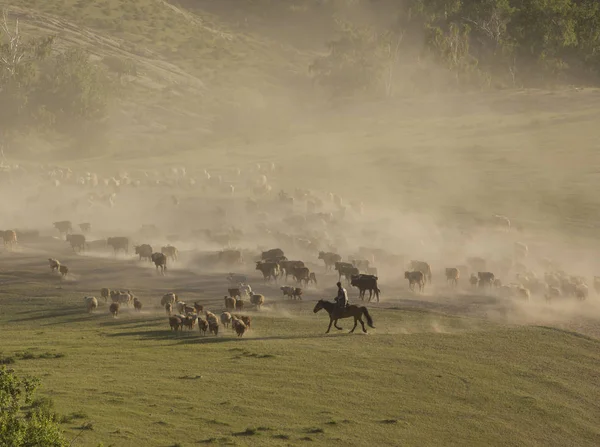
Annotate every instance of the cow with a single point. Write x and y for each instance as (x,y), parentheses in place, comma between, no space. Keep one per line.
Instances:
(422,266)
(64,227)
(287,291)
(485,278)
(269,270)
(275,253)
(10,238)
(118,243)
(77,241)
(476,264)
(144,251)
(415,277)
(330,259)
(160,261)
(288,267)
(301,274)
(170,252)
(346,269)
(452,275)
(361,264)
(364,283)
(230,257)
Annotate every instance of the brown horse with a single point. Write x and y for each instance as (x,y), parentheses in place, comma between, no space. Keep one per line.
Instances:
(350,311)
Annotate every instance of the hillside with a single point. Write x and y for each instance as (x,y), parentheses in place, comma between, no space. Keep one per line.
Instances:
(193,72)
(421,377)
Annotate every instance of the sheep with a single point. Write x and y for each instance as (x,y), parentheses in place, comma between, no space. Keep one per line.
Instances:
(452,275)
(104,293)
(258,300)
(190,321)
(114,309)
(175,322)
(120,297)
(229,303)
(246,320)
(213,322)
(202,325)
(91,303)
(239,326)
(416,277)
(137,305)
(312,277)
(54,264)
(239,304)
(64,270)
(198,307)
(187,310)
(225,319)
(246,289)
(180,306)
(169,308)
(170,297)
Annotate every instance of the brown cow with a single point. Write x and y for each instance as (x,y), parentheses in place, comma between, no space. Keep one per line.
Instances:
(416,277)
(452,275)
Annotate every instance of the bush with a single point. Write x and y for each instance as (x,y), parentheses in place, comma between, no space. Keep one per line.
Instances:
(23,421)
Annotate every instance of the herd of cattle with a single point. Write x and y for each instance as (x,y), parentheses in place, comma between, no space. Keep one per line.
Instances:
(311,225)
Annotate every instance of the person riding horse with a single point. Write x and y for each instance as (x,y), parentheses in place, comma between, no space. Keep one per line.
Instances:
(341,299)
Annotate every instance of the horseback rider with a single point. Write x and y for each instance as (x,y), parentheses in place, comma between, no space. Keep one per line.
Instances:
(342,298)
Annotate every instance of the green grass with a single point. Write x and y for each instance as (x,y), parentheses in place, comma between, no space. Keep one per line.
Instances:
(418,379)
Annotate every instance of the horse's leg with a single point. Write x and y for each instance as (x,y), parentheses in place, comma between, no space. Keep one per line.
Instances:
(336,326)
(363,325)
(355,323)
(330,323)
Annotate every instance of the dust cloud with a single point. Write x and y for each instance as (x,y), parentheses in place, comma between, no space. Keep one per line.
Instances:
(389,180)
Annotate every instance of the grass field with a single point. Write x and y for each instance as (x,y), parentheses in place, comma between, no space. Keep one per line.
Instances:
(422,377)
(218,88)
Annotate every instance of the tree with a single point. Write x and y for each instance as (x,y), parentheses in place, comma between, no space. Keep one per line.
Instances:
(18,74)
(22,423)
(360,59)
(42,88)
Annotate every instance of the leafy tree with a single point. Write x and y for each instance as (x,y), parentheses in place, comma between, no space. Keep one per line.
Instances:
(23,424)
(360,59)
(40,87)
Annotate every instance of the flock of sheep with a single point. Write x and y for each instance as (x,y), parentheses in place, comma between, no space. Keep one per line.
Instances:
(311,225)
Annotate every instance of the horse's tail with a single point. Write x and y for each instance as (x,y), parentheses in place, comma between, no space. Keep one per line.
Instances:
(368,317)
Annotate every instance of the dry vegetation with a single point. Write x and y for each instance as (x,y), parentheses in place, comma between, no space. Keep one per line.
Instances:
(223,85)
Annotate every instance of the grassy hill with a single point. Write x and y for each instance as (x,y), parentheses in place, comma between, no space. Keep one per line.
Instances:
(419,378)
